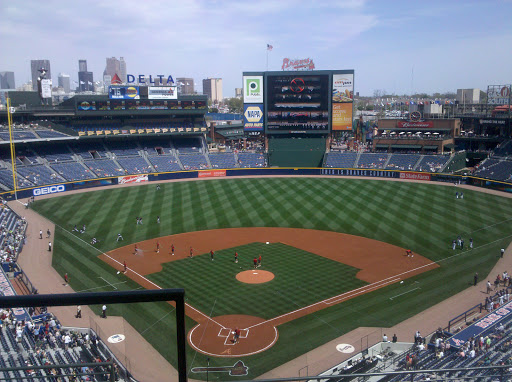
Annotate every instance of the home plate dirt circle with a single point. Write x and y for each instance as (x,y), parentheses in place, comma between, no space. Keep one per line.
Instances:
(215,337)
(255,276)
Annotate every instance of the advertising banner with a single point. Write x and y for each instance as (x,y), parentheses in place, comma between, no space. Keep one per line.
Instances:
(483,325)
(209,174)
(86,105)
(498,95)
(132,179)
(413,124)
(298,64)
(123,92)
(253,89)
(162,92)
(414,176)
(342,88)
(46,88)
(253,117)
(342,116)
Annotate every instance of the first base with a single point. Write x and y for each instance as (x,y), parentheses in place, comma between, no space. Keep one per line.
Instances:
(268,242)
(118,272)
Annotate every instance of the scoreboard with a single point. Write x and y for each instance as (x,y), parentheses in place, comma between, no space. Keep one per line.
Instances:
(298,102)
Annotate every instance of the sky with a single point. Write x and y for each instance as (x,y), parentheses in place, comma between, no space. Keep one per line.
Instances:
(399,47)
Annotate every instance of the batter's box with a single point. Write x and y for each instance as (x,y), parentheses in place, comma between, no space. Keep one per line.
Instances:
(244,333)
(224,332)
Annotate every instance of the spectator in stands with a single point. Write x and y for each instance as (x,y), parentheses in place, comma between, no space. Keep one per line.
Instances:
(395,338)
(385,338)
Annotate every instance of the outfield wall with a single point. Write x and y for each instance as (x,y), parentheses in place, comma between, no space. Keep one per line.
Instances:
(266,171)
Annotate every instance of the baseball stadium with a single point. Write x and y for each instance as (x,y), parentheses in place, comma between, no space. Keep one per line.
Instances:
(310,245)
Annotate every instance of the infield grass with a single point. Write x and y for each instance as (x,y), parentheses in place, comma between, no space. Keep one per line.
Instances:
(422,217)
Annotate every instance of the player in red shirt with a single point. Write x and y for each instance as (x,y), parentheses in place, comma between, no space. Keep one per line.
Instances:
(237,335)
(135,249)
(157,247)
(255,262)
(172,249)
(191,252)
(259,261)
(125,267)
(212,254)
(236,257)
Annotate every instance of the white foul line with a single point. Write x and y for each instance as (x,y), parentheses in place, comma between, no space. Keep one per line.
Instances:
(115,288)
(398,295)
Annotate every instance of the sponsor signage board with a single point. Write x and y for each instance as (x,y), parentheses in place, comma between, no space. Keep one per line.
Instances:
(162,92)
(342,101)
(48,190)
(493,121)
(419,124)
(123,92)
(46,88)
(132,179)
(142,79)
(414,176)
(499,95)
(253,89)
(210,174)
(253,117)
(342,116)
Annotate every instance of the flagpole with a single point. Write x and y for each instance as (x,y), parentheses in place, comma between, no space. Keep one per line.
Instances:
(267,58)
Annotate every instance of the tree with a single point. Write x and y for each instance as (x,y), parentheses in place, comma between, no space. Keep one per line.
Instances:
(235,105)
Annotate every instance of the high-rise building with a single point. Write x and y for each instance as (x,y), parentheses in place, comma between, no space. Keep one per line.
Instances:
(7,80)
(212,87)
(82,65)
(238,92)
(186,85)
(35,65)
(115,66)
(65,82)
(85,78)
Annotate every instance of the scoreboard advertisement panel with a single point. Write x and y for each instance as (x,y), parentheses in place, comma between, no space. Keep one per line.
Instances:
(123,92)
(297,103)
(342,101)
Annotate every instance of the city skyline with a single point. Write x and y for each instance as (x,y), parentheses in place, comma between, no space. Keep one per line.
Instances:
(400,47)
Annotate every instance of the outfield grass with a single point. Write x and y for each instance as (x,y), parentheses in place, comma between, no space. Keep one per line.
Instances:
(422,217)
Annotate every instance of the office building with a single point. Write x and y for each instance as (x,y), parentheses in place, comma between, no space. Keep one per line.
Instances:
(65,82)
(185,85)
(238,92)
(468,96)
(82,65)
(115,66)
(85,78)
(212,87)
(35,65)
(7,80)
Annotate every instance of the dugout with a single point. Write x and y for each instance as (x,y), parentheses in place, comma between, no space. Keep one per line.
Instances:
(305,151)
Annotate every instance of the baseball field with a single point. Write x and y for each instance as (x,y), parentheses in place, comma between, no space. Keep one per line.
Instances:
(336,253)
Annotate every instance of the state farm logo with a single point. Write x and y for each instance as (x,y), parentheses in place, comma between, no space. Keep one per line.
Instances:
(48,190)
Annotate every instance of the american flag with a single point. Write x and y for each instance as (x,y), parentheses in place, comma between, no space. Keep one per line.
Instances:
(269,47)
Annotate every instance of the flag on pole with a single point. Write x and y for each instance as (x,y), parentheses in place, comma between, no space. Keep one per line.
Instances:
(269,47)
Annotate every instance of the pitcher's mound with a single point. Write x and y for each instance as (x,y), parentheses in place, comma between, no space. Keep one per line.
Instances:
(255,276)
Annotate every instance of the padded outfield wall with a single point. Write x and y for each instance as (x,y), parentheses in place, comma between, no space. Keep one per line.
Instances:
(296,152)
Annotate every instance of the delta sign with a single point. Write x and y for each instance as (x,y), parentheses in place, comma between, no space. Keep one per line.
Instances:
(144,80)
(253,117)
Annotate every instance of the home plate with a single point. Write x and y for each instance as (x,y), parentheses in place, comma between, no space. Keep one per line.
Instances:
(254,273)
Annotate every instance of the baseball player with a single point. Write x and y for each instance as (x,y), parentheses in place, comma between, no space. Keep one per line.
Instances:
(191,252)
(470,243)
(125,267)
(409,253)
(48,233)
(158,187)
(40,233)
(255,261)
(454,245)
(157,247)
(259,261)
(119,237)
(172,249)
(212,254)
(158,219)
(236,336)
(502,252)
(66,278)
(456,195)
(136,248)
(236,257)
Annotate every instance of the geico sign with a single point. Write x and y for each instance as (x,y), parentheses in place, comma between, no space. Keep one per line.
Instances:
(49,190)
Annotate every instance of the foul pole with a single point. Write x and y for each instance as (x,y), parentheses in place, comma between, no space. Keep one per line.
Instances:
(11,143)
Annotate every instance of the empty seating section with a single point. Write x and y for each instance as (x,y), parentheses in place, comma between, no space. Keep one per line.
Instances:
(135,165)
(25,155)
(6,179)
(156,146)
(193,161)
(403,161)
(251,160)
(370,160)
(54,153)
(222,160)
(495,168)
(340,160)
(432,163)
(165,163)
(104,168)
(17,135)
(50,134)
(89,150)
(124,148)
(187,146)
(73,171)
(39,174)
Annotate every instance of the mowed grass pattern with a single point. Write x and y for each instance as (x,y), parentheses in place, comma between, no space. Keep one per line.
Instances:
(301,279)
(422,217)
